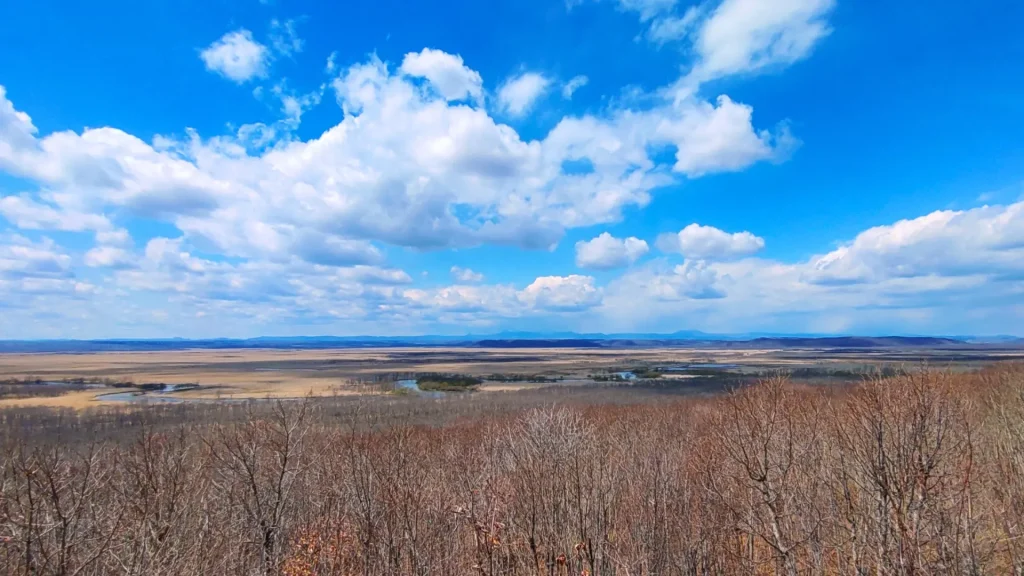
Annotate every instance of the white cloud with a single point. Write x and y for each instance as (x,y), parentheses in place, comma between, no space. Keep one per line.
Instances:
(764,295)
(17,137)
(606,252)
(328,250)
(27,214)
(284,39)
(466,275)
(573,85)
(37,280)
(446,73)
(113,237)
(518,94)
(946,272)
(293,105)
(737,36)
(237,56)
(21,258)
(113,250)
(289,289)
(545,295)
(669,28)
(297,228)
(565,293)
(710,138)
(304,224)
(710,243)
(749,35)
(374,275)
(647,9)
(476,301)
(691,280)
(404,167)
(987,240)
(108,257)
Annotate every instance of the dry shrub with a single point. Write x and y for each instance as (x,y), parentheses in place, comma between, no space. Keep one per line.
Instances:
(920,473)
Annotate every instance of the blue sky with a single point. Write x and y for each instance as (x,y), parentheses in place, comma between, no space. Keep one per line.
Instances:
(245,168)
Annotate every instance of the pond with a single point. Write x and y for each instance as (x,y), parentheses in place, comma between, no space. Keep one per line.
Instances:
(413,386)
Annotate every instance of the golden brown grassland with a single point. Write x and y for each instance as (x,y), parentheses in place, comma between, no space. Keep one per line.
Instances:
(297,373)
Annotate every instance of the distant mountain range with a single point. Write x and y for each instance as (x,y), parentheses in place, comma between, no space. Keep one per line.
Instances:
(683,339)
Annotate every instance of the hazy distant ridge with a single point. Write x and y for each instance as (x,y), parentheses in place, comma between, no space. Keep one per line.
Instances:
(683,339)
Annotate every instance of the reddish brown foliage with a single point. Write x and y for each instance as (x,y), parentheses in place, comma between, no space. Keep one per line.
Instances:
(917,474)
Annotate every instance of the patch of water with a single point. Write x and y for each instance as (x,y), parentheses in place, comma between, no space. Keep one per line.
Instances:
(177,388)
(413,386)
(63,383)
(162,395)
(408,385)
(119,397)
(137,397)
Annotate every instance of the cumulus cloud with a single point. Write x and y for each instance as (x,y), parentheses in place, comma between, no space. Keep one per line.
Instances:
(719,138)
(237,56)
(446,73)
(109,257)
(404,167)
(944,272)
(23,259)
(278,228)
(27,214)
(691,280)
(494,300)
(518,94)
(298,228)
(949,243)
(606,252)
(710,243)
(565,293)
(37,279)
(543,296)
(292,288)
(466,275)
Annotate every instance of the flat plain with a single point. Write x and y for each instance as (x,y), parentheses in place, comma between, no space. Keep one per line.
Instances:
(209,375)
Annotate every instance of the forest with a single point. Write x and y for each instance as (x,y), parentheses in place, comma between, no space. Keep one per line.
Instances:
(920,472)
